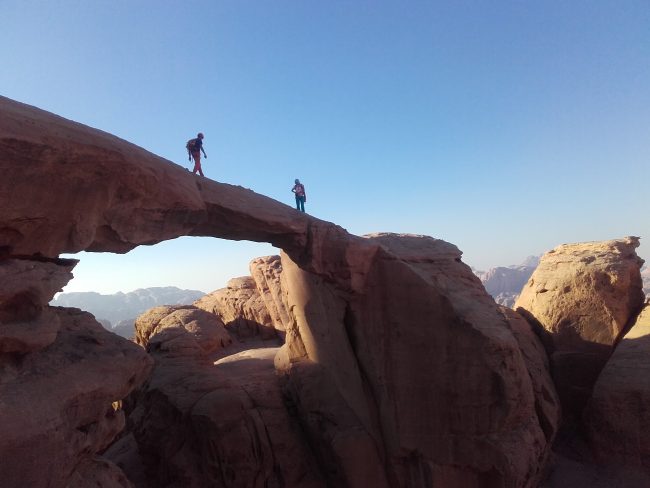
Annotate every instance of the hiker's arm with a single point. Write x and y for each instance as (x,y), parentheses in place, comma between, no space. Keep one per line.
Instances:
(204,155)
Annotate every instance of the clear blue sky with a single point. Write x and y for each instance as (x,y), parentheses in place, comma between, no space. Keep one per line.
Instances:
(504,127)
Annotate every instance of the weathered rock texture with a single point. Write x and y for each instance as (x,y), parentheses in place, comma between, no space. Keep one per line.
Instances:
(225,424)
(411,331)
(618,413)
(56,402)
(399,369)
(547,403)
(252,307)
(584,295)
(267,273)
(241,308)
(183,329)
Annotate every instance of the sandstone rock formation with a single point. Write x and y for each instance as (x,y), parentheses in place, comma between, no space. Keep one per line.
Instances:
(618,412)
(584,295)
(252,306)
(547,403)
(181,329)
(400,339)
(267,272)
(199,424)
(241,308)
(398,369)
(56,401)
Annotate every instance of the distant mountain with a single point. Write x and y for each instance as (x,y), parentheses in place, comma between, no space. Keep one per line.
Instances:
(125,306)
(505,283)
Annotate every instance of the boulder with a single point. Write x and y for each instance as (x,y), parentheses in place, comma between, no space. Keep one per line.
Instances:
(181,328)
(618,412)
(584,295)
(198,424)
(60,404)
(241,308)
(98,473)
(547,402)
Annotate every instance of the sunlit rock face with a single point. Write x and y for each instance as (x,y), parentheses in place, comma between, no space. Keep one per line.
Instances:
(252,307)
(398,369)
(584,295)
(241,308)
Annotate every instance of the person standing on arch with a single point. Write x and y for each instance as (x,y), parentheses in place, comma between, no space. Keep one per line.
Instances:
(301,196)
(194,148)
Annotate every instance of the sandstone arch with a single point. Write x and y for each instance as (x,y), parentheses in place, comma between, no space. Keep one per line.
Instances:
(392,338)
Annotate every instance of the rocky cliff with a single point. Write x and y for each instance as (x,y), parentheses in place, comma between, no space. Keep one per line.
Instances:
(394,367)
(584,295)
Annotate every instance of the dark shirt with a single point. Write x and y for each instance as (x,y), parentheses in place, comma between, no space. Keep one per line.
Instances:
(198,145)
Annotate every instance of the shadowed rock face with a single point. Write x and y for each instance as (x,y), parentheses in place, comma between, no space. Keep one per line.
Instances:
(399,369)
(584,295)
(618,414)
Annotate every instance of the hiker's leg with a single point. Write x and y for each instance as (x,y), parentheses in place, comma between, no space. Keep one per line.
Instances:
(302,204)
(297,202)
(197,163)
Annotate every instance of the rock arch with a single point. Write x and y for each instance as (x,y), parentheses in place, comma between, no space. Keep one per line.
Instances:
(393,339)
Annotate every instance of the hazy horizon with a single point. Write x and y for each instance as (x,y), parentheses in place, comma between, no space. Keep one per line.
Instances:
(504,128)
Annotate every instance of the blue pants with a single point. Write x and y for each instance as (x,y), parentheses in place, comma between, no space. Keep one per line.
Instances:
(300,203)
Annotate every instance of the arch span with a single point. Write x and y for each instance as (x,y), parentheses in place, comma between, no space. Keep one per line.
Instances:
(415,365)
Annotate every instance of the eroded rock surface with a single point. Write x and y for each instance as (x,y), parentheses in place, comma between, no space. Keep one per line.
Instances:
(225,424)
(181,329)
(584,295)
(398,368)
(241,308)
(618,413)
(56,403)
(411,327)
(267,273)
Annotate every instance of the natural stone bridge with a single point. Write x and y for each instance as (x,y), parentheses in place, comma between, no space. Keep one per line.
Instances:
(421,379)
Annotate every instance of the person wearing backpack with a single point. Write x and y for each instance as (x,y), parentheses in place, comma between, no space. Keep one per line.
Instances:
(301,196)
(194,148)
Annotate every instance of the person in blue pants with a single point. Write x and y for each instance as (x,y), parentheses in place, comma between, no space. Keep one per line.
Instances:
(301,196)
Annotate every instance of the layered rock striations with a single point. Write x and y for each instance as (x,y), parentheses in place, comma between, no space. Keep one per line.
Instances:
(398,369)
(584,295)
(241,308)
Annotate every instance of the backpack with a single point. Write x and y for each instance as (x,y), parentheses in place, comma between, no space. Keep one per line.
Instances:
(190,145)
